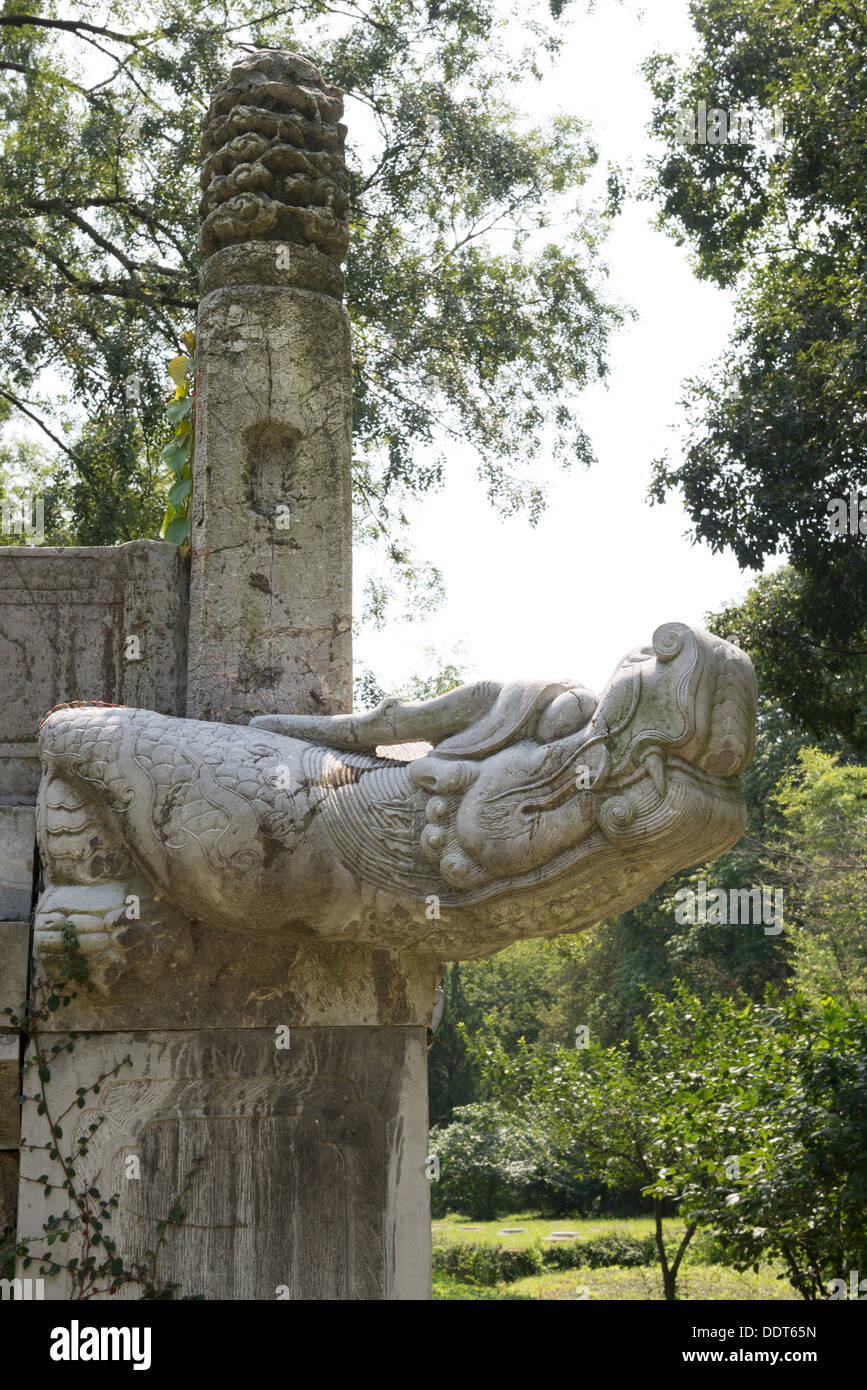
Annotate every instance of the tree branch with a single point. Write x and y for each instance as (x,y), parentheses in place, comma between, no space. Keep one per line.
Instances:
(44,207)
(72,26)
(19,405)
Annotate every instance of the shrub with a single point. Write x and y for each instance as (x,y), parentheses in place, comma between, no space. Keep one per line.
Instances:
(486,1162)
(493,1161)
(625,1250)
(485,1264)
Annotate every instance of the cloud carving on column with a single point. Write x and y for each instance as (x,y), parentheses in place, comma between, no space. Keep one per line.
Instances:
(538,809)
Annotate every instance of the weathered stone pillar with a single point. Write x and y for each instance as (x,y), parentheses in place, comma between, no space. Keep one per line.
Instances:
(271,588)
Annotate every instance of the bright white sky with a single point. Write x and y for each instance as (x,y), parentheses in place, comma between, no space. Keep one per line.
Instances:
(602,568)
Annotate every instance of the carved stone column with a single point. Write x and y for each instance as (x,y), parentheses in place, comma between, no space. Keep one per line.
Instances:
(271,591)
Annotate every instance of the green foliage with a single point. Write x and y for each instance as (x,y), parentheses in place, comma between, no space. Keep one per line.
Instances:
(821,860)
(512,990)
(707,1248)
(649,1118)
(801,1190)
(446,1287)
(704,1274)
(628,1252)
(779,428)
(485,1264)
(752,1119)
(178,454)
(444,675)
(473,319)
(613,1284)
(453,1080)
(493,1158)
(818,685)
(26,470)
(486,1161)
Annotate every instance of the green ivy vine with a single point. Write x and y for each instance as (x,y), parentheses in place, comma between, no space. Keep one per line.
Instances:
(178,453)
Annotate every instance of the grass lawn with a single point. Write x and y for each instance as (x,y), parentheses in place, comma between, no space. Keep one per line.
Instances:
(697,1281)
(535,1227)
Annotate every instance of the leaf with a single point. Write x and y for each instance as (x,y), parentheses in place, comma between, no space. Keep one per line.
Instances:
(175,454)
(179,410)
(180,492)
(177,530)
(178,368)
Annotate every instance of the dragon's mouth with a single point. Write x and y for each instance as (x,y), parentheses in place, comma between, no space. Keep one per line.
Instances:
(389,753)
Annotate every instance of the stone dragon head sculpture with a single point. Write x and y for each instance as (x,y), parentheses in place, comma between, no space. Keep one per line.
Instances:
(524,809)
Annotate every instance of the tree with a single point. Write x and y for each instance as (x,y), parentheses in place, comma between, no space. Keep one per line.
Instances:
(799,1189)
(646,1119)
(508,993)
(487,1159)
(451,1079)
(819,686)
(821,861)
(750,1120)
(495,1159)
(779,429)
(470,321)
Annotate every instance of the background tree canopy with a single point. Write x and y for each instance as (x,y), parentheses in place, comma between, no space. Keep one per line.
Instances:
(779,428)
(470,321)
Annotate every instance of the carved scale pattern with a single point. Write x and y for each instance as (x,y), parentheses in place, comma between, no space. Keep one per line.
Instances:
(273,167)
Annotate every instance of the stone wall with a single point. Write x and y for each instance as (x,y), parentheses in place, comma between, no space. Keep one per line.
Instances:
(84,623)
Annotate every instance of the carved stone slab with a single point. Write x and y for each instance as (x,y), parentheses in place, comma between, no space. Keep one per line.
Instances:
(14,959)
(66,614)
(17,852)
(10,1110)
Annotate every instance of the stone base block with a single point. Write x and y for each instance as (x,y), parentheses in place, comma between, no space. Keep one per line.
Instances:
(307,1149)
(8,1193)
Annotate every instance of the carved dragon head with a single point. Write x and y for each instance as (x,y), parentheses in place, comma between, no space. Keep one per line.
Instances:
(682,708)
